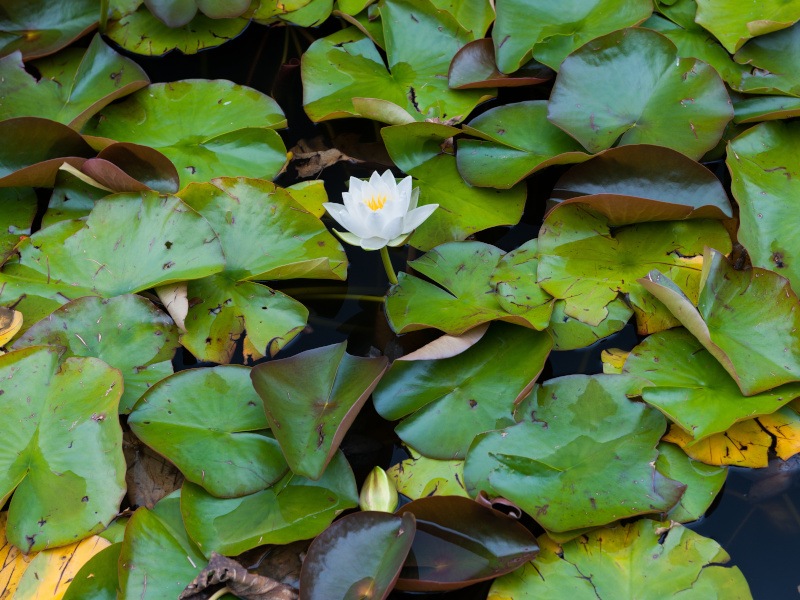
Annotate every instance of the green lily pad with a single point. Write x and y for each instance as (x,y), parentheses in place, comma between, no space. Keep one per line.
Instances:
(516,141)
(16,217)
(419,477)
(630,87)
(38,27)
(445,403)
(380,540)
(460,542)
(763,162)
(586,264)
(735,23)
(140,32)
(265,234)
(473,15)
(703,482)
(639,183)
(347,65)
(72,198)
(748,320)
(98,578)
(754,109)
(474,67)
(646,559)
(693,41)
(207,128)
(129,243)
(60,432)
(72,86)
(294,509)
(312,398)
(552,31)
(547,464)
(210,423)
(682,380)
(157,559)
(126,332)
(479,283)
(25,164)
(768,60)
(570,334)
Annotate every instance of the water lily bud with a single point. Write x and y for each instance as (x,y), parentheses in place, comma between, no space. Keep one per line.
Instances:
(378,493)
(379,212)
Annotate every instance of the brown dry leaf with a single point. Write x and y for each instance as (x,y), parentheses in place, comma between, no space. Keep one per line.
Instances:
(12,563)
(150,476)
(282,563)
(174,298)
(10,324)
(747,443)
(223,572)
(310,158)
(448,346)
(51,571)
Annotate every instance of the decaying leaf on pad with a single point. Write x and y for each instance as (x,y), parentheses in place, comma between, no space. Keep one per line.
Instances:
(225,572)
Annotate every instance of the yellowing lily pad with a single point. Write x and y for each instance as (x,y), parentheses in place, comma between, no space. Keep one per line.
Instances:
(420,477)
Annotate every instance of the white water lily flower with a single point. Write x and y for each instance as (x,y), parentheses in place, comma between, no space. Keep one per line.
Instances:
(379,212)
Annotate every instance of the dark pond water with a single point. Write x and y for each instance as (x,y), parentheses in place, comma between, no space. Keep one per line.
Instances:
(762,537)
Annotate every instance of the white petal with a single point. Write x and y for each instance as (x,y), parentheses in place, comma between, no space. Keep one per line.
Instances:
(416,217)
(337,211)
(412,204)
(350,200)
(374,179)
(373,243)
(355,186)
(404,191)
(348,220)
(389,180)
(392,228)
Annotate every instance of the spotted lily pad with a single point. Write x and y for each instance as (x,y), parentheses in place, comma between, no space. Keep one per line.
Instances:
(210,423)
(748,320)
(60,432)
(630,87)
(127,332)
(479,284)
(687,384)
(16,218)
(207,128)
(547,463)
(587,264)
(445,403)
(765,182)
(71,87)
(420,477)
(645,559)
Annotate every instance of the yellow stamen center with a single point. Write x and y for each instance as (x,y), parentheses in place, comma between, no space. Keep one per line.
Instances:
(375,202)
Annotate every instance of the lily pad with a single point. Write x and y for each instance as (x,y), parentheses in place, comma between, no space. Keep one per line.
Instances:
(293,509)
(126,167)
(210,423)
(445,403)
(419,477)
(748,320)
(38,28)
(72,198)
(703,482)
(639,183)
(380,540)
(769,58)
(479,284)
(347,65)
(754,109)
(265,234)
(552,31)
(98,579)
(140,32)
(547,463)
(630,87)
(16,217)
(157,559)
(207,128)
(312,398)
(71,87)
(734,24)
(763,162)
(645,559)
(516,141)
(52,442)
(586,264)
(474,67)
(570,334)
(460,542)
(126,332)
(115,251)
(687,384)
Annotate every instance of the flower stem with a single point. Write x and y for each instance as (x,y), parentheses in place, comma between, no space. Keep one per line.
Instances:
(387,264)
